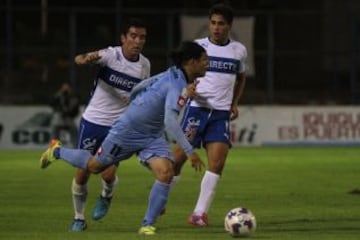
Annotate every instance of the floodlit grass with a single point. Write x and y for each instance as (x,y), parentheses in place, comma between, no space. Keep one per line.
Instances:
(295,193)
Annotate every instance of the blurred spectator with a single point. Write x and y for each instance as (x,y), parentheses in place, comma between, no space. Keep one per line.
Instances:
(66,107)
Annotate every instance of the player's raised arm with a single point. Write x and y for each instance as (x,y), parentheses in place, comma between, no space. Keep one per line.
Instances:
(87,58)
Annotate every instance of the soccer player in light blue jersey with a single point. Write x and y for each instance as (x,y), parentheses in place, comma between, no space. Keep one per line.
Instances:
(153,110)
(120,69)
(206,122)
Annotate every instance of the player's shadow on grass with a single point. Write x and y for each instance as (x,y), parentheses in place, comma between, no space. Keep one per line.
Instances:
(355,191)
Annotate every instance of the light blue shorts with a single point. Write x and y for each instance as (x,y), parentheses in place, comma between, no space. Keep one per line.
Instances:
(122,142)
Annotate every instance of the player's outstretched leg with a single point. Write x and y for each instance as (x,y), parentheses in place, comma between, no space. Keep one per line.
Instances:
(48,156)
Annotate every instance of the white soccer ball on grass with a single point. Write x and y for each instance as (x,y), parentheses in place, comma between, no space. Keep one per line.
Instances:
(240,222)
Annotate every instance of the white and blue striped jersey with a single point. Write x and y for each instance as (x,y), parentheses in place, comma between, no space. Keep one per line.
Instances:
(115,79)
(215,89)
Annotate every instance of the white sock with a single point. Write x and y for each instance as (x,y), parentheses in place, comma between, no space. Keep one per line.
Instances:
(108,188)
(174,181)
(79,195)
(207,192)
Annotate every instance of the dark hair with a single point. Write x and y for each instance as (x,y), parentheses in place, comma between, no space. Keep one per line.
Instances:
(185,51)
(132,22)
(222,9)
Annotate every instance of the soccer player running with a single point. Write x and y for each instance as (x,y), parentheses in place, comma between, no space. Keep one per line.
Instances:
(154,108)
(121,68)
(206,120)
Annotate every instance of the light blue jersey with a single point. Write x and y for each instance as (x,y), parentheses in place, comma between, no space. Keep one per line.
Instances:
(154,109)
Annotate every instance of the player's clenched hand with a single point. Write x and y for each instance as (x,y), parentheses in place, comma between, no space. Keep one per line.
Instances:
(234,113)
(191,89)
(196,161)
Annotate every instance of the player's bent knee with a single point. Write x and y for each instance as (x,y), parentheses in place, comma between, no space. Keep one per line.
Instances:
(164,175)
(216,168)
(95,166)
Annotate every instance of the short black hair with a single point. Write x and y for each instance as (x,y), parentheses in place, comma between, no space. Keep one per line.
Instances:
(222,9)
(185,51)
(132,22)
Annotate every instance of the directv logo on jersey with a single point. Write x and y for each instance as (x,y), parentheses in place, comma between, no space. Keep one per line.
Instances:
(117,79)
(223,65)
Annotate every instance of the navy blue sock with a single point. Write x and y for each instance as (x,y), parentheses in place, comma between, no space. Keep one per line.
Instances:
(57,153)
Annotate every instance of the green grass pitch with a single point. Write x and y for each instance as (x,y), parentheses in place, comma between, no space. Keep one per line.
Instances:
(295,193)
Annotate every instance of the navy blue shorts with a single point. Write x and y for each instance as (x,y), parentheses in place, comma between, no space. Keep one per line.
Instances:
(203,125)
(91,135)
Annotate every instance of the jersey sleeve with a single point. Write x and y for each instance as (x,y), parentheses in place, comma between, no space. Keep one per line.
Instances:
(173,128)
(174,102)
(106,54)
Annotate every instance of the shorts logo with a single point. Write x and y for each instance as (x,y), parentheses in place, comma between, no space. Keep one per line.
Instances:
(191,128)
(89,144)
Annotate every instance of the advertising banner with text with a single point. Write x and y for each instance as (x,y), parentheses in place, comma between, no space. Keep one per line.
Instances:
(297,125)
(31,127)
(27,127)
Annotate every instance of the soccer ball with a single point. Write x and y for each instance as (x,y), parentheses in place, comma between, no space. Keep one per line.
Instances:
(240,222)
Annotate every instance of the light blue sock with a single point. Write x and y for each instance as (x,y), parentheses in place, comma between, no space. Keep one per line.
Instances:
(76,157)
(157,200)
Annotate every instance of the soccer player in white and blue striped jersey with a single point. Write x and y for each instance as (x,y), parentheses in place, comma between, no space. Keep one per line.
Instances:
(154,109)
(206,122)
(120,69)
